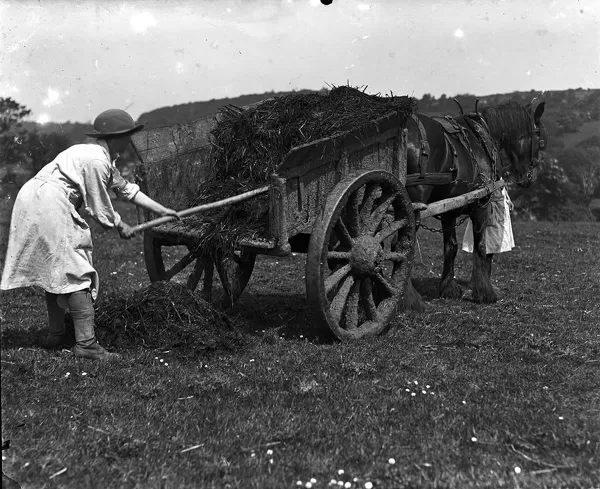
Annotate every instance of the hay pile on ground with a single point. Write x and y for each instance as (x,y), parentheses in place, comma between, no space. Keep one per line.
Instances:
(165,315)
(249,144)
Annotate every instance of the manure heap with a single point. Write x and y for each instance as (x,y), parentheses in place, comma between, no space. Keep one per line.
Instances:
(165,315)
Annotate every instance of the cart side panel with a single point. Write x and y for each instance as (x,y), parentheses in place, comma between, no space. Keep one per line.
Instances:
(312,171)
(175,161)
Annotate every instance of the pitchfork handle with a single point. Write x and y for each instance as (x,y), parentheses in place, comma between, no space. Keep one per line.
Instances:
(205,207)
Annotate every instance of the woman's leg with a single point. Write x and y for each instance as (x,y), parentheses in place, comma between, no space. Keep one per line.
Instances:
(82,311)
(56,322)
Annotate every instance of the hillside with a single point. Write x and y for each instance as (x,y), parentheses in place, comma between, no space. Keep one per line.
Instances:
(568,186)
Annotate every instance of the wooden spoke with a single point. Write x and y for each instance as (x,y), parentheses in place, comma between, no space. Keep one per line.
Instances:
(368,300)
(337,304)
(179,266)
(194,278)
(371,193)
(352,214)
(339,255)
(394,256)
(336,277)
(207,284)
(352,305)
(343,234)
(381,280)
(394,227)
(380,211)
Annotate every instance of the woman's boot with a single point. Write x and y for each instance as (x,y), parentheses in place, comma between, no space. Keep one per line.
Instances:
(82,312)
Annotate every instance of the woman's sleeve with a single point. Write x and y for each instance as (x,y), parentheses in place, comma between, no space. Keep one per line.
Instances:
(97,180)
(121,187)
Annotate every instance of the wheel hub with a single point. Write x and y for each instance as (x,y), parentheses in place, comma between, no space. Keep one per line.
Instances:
(365,255)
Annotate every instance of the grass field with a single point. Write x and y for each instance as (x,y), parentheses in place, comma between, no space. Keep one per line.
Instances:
(460,396)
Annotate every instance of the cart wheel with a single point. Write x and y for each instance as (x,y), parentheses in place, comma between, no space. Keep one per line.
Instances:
(166,260)
(360,254)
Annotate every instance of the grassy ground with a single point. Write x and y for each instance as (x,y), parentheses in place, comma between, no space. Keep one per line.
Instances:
(461,396)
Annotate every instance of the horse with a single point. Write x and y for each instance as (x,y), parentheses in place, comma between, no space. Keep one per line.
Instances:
(448,157)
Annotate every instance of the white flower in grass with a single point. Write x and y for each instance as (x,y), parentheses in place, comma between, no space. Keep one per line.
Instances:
(313,481)
(83,374)
(269,452)
(561,418)
(299,483)
(473,439)
(413,394)
(340,483)
(407,390)
(355,479)
(340,472)
(253,454)
(391,461)
(416,383)
(166,364)
(427,386)
(270,460)
(517,470)
(464,402)
(347,485)
(308,485)
(368,485)
(424,392)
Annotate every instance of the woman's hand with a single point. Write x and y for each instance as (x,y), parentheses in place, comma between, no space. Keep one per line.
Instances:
(169,213)
(125,231)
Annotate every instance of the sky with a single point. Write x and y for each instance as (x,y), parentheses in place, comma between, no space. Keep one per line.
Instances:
(70,60)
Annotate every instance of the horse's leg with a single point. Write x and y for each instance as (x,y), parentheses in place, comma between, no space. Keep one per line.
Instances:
(448,286)
(412,299)
(482,262)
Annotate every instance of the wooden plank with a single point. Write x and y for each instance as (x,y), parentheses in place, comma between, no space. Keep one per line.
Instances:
(453,203)
(277,212)
(304,158)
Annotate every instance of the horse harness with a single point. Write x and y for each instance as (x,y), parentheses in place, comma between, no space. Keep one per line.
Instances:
(453,131)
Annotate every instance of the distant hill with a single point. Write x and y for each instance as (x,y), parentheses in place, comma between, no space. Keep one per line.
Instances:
(197,110)
(75,131)
(568,186)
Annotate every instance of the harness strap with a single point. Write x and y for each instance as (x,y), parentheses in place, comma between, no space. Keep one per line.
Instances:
(424,153)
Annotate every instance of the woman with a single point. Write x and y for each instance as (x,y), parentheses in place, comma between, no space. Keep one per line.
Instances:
(498,233)
(50,245)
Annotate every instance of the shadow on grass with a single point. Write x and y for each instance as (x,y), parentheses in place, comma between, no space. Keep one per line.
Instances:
(288,316)
(33,337)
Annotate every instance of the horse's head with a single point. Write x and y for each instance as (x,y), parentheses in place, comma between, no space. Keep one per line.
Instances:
(520,136)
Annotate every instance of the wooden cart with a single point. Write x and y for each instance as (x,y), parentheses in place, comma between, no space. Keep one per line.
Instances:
(341,200)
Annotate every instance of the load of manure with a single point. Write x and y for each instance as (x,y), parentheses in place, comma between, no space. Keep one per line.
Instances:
(249,143)
(165,315)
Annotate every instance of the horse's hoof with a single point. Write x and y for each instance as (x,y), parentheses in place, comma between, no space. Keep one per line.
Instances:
(451,291)
(413,303)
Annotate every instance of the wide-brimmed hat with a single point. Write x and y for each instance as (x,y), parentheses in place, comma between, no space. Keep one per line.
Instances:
(114,122)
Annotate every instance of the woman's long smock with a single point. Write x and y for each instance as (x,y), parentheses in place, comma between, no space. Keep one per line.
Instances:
(50,244)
